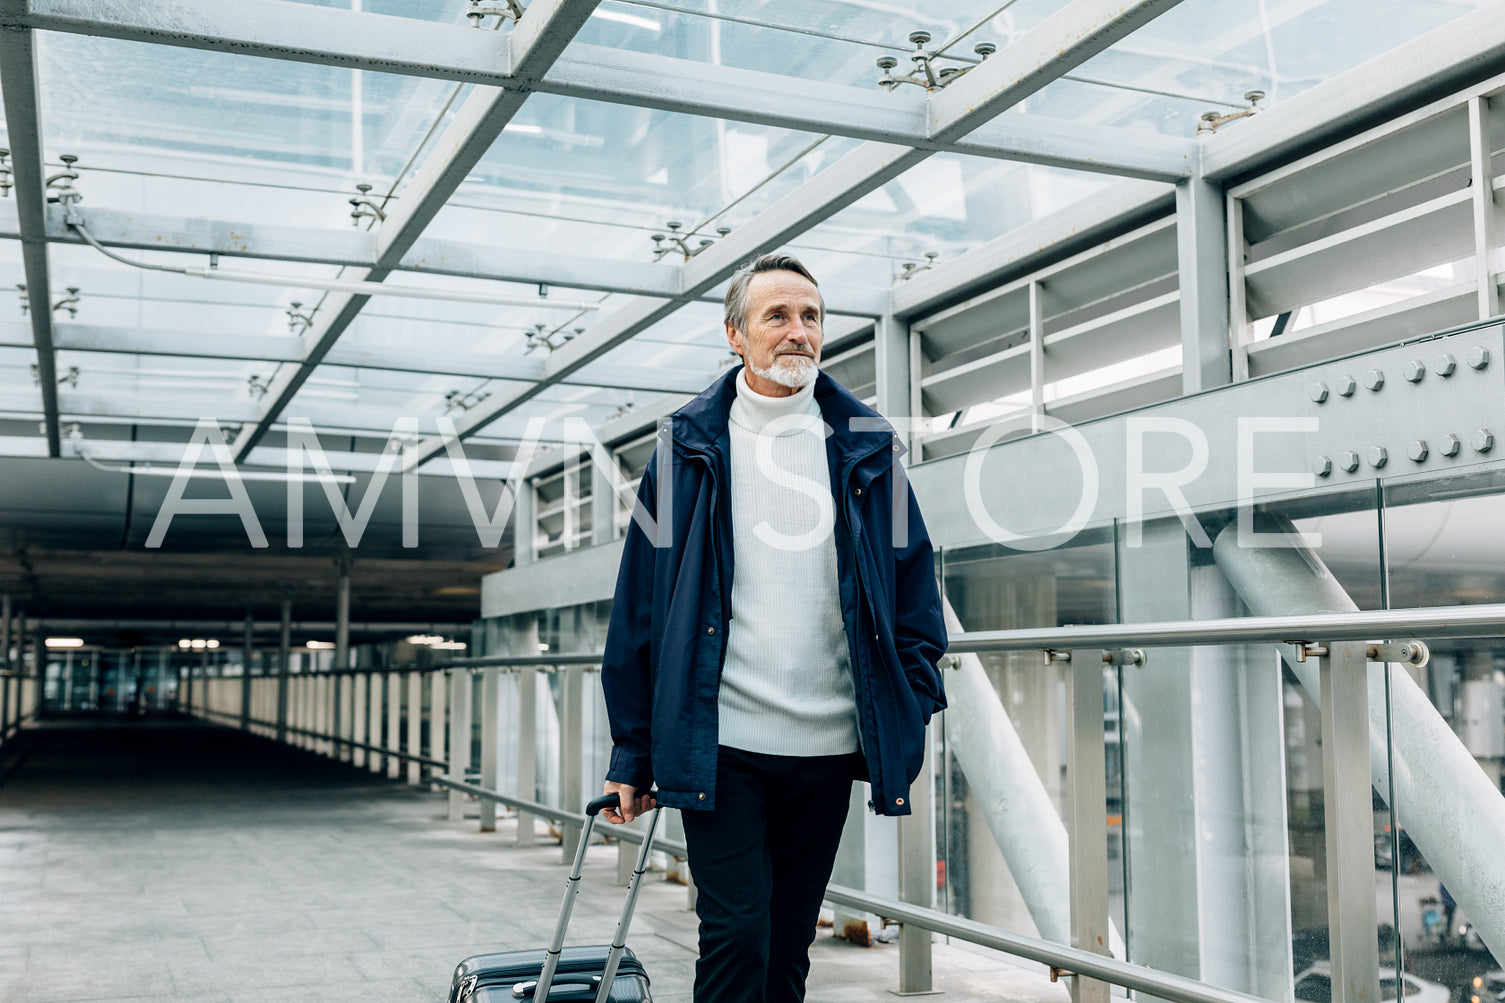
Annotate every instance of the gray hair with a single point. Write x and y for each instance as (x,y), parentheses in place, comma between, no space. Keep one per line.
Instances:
(776,261)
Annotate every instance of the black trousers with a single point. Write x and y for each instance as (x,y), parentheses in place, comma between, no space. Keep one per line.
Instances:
(760,862)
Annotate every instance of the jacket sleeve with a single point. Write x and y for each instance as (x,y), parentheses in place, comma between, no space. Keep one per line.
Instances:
(919,624)
(626,664)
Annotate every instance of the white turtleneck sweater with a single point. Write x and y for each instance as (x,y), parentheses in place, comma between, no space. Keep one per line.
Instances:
(786,686)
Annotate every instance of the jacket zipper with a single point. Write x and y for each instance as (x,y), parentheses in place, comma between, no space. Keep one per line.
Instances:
(863,602)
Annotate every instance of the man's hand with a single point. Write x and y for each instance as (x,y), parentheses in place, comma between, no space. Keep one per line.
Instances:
(633,803)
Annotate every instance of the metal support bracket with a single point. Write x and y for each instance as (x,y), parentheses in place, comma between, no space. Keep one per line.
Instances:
(1052,655)
(1124,656)
(1406,652)
(1305,650)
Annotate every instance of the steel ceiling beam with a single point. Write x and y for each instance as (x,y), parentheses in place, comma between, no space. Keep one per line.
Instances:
(276,29)
(533,44)
(18,81)
(354,248)
(864,170)
(289,349)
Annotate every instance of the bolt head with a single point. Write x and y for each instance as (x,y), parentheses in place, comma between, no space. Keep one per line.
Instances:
(1417,450)
(1478,357)
(1374,379)
(1345,386)
(1483,440)
(1378,456)
(1322,466)
(1444,364)
(1450,445)
(985,49)
(919,37)
(887,63)
(1348,460)
(1319,392)
(1415,370)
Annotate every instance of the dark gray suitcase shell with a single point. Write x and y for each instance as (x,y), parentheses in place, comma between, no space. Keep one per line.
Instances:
(489,978)
(572,973)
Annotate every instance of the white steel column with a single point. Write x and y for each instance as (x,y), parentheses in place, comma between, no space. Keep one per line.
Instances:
(1036,348)
(1348,819)
(376,704)
(1481,151)
(5,615)
(1201,250)
(491,694)
(1240,330)
(341,666)
(415,725)
(461,685)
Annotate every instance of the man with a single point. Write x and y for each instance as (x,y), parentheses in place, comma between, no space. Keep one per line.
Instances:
(776,641)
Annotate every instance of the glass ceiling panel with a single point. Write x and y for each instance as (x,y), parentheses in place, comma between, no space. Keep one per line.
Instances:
(284,140)
(603,178)
(18,390)
(830,40)
(1204,55)
(946,205)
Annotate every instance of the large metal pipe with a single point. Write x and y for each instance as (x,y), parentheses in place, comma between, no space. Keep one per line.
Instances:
(1010,795)
(1446,803)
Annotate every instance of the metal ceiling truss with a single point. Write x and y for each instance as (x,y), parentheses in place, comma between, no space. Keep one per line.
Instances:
(408,46)
(18,80)
(289,349)
(358,249)
(1068,38)
(534,43)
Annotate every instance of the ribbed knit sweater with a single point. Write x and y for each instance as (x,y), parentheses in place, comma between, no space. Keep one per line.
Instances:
(786,686)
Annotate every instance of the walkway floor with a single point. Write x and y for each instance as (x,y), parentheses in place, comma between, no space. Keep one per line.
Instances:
(181,862)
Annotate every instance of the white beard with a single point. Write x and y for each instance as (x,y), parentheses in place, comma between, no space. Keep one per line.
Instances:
(793,371)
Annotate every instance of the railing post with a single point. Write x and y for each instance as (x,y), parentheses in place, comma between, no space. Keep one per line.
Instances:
(527,745)
(394,725)
(376,703)
(415,725)
(359,715)
(247,655)
(571,754)
(1349,822)
(917,879)
(1089,818)
(491,691)
(438,712)
(460,687)
(284,655)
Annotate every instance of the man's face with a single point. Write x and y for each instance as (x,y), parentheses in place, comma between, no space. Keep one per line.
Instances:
(781,345)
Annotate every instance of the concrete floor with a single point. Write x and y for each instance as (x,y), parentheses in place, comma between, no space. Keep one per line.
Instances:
(178,862)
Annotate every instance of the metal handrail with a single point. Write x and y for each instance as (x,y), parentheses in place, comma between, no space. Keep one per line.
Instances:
(1362,625)
(321,736)
(1483,620)
(1066,959)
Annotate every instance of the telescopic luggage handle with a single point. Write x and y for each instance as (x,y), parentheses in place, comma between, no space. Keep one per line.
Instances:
(540,990)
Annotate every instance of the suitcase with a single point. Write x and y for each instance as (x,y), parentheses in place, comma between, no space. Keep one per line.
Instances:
(605,973)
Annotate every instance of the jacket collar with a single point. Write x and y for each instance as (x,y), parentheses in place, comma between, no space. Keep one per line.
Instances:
(701,425)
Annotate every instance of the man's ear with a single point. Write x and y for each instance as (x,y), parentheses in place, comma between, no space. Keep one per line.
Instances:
(734,337)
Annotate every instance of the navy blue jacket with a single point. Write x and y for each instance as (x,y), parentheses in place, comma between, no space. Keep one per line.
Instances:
(666,643)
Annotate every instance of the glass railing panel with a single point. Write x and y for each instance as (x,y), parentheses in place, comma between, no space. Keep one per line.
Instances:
(1443,549)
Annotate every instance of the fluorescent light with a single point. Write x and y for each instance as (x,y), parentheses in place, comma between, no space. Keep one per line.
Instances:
(524,128)
(619,17)
(185,643)
(543,647)
(449,646)
(213,643)
(320,645)
(425,639)
(199,644)
(65,642)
